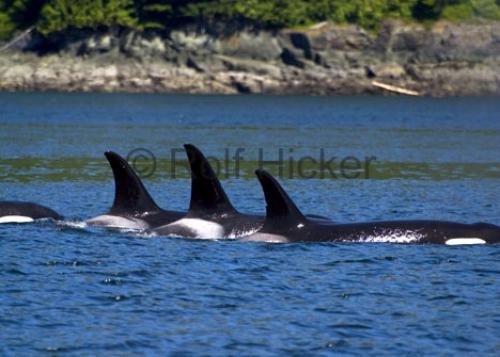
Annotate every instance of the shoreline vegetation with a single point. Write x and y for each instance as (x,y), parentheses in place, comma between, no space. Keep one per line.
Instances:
(413,47)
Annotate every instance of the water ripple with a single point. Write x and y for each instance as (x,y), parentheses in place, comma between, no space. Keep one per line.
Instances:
(71,289)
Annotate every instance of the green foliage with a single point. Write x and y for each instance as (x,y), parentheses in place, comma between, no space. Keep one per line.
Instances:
(58,15)
(153,14)
(7,27)
(488,9)
(290,13)
(18,14)
(370,14)
(25,13)
(459,11)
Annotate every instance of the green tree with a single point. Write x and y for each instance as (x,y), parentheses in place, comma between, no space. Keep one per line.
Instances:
(7,26)
(25,13)
(58,15)
(154,13)
(370,14)
(488,9)
(18,15)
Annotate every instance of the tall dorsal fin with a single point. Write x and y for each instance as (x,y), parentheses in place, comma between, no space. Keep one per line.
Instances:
(279,206)
(130,194)
(207,194)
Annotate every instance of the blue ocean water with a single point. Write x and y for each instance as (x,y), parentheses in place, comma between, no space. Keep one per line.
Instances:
(73,290)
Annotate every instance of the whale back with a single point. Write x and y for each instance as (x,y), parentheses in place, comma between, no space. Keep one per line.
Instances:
(27,209)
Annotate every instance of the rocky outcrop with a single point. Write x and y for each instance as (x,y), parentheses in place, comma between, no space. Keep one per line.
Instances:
(448,59)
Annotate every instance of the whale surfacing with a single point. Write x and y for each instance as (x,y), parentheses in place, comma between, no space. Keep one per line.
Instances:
(133,207)
(211,215)
(25,212)
(285,223)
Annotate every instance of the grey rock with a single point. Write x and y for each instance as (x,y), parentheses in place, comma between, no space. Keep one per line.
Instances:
(250,66)
(386,70)
(290,58)
(98,43)
(258,46)
(448,59)
(301,41)
(191,41)
(136,45)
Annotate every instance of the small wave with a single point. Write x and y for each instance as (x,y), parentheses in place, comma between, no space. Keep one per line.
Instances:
(349,261)
(121,346)
(110,298)
(112,281)
(443,297)
(145,234)
(73,224)
(72,263)
(391,236)
(149,234)
(15,271)
(240,234)
(350,326)
(129,230)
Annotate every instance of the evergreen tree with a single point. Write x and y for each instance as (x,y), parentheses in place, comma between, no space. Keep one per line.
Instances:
(154,13)
(18,15)
(58,15)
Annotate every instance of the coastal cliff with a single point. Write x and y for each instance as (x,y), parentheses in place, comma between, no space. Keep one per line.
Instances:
(445,60)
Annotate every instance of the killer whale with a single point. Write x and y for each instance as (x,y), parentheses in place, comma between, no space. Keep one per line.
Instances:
(133,207)
(24,212)
(211,215)
(285,223)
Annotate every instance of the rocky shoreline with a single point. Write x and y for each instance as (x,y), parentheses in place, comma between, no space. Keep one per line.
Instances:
(445,60)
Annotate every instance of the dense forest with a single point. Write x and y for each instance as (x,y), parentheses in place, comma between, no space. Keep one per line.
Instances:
(50,16)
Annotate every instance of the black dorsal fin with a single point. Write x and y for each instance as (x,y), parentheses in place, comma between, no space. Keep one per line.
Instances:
(130,194)
(279,206)
(207,194)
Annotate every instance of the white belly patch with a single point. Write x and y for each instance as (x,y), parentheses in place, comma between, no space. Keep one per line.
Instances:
(200,228)
(117,222)
(461,241)
(266,237)
(16,219)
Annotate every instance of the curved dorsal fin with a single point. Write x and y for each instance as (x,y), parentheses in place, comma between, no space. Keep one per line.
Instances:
(279,205)
(130,194)
(207,194)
